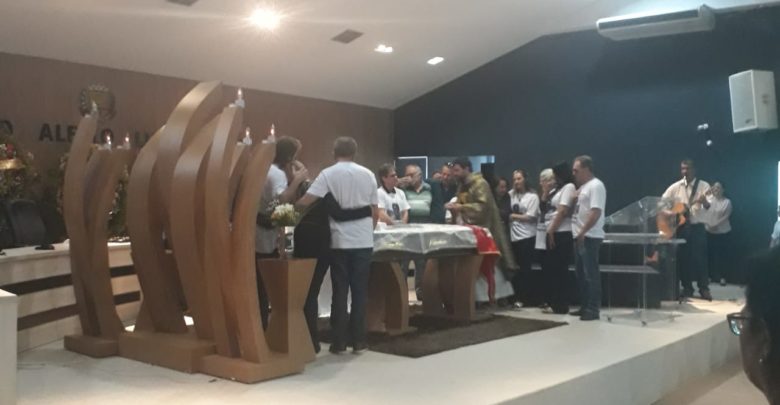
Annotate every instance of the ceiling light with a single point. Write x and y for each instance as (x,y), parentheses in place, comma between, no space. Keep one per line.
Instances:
(435,60)
(266,19)
(382,48)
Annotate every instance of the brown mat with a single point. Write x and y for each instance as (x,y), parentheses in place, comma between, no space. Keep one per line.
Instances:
(436,335)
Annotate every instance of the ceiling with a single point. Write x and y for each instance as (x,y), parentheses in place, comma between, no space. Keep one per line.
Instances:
(212,40)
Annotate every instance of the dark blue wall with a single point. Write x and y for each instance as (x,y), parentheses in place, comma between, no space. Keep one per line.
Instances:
(633,106)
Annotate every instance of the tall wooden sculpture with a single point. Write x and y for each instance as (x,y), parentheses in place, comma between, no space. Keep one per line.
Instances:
(192,202)
(88,194)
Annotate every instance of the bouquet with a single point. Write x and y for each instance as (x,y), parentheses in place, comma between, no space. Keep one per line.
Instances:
(284,215)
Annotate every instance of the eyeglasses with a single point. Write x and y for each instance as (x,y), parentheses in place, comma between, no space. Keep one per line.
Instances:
(737,322)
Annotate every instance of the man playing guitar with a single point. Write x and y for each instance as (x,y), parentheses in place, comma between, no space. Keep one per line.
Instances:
(691,193)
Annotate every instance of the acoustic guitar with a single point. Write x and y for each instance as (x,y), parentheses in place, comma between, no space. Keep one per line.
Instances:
(669,220)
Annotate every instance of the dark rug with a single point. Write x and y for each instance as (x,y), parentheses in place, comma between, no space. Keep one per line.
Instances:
(436,335)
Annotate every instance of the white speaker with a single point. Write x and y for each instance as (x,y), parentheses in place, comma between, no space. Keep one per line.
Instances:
(753,103)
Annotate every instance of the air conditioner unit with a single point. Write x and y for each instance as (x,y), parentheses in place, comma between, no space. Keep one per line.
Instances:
(645,26)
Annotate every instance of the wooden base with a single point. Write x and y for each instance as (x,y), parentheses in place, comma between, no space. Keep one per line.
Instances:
(92,346)
(287,283)
(388,299)
(181,352)
(448,287)
(236,369)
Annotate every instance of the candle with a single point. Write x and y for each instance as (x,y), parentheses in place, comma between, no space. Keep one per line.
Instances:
(247,137)
(95,109)
(272,136)
(108,141)
(127,141)
(240,100)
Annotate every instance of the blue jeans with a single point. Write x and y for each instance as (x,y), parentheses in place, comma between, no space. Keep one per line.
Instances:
(588,275)
(349,271)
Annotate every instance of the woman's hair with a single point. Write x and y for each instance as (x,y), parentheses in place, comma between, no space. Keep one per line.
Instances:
(563,174)
(763,299)
(528,180)
(547,175)
(286,148)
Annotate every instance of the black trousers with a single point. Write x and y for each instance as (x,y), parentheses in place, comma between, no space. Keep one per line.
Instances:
(261,293)
(692,257)
(523,251)
(311,309)
(719,255)
(555,268)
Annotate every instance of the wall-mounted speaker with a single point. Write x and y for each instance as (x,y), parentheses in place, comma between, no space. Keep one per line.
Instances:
(753,102)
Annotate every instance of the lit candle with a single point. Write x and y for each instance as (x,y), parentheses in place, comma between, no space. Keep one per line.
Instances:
(108,141)
(127,141)
(240,100)
(272,136)
(247,137)
(95,109)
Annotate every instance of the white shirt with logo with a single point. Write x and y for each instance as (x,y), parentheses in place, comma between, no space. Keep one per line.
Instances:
(394,204)
(525,204)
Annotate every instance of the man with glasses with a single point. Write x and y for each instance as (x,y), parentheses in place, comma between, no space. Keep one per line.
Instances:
(393,207)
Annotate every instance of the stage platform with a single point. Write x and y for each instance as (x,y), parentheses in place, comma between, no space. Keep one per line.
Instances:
(582,363)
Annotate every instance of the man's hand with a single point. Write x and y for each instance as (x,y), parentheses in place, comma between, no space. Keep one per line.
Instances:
(550,241)
(455,207)
(300,174)
(404,182)
(581,240)
(515,217)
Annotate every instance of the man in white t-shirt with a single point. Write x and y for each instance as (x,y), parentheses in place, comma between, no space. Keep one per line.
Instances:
(276,188)
(393,207)
(352,242)
(588,232)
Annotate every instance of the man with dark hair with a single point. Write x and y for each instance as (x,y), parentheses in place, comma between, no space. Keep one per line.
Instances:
(476,206)
(691,194)
(281,186)
(393,207)
(588,232)
(352,242)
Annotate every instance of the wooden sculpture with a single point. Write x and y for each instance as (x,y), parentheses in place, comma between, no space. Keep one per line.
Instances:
(88,194)
(192,202)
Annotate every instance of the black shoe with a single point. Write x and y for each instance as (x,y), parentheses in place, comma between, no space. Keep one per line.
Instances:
(706,295)
(317,348)
(358,348)
(337,349)
(589,316)
(560,311)
(576,313)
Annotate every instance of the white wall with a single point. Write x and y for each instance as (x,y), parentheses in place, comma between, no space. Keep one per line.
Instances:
(8,308)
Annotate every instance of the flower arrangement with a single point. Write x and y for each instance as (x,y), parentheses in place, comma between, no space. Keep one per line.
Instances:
(284,215)
(18,179)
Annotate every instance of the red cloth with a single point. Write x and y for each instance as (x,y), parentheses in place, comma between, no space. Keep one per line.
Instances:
(487,247)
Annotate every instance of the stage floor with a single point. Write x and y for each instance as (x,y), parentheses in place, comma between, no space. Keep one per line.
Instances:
(582,363)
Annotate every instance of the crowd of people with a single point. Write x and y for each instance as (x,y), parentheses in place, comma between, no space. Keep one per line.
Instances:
(558,223)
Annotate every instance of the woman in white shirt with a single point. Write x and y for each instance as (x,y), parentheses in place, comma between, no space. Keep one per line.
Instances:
(558,206)
(524,211)
(718,228)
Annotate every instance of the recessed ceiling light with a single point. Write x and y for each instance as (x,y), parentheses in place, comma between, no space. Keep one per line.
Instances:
(382,48)
(435,60)
(265,18)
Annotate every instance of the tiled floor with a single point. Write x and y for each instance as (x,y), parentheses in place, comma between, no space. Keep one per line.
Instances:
(530,366)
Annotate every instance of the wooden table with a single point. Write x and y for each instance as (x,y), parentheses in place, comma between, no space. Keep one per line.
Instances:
(448,288)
